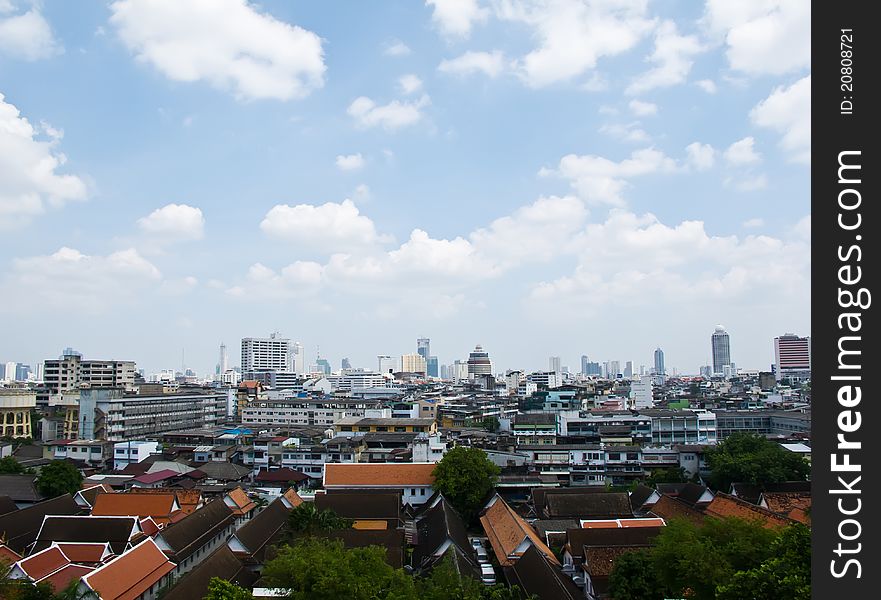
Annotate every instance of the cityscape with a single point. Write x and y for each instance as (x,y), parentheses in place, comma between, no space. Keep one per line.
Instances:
(441,300)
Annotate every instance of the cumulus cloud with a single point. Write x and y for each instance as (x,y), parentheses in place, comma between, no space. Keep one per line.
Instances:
(350,162)
(748,183)
(601,181)
(27,36)
(707,85)
(328,227)
(227,43)
(572,35)
(630,132)
(396,48)
(29,177)
(174,222)
(788,111)
(490,64)
(672,57)
(763,37)
(700,156)
(409,84)
(456,18)
(754,222)
(643,109)
(742,152)
(391,116)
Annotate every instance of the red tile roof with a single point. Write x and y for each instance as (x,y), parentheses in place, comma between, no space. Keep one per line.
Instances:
(162,507)
(83,552)
(41,564)
(148,478)
(507,530)
(725,505)
(60,579)
(128,576)
(241,503)
(8,555)
(378,474)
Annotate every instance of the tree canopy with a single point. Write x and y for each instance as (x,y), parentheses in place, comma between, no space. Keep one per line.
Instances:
(58,478)
(753,459)
(306,519)
(8,465)
(465,476)
(221,589)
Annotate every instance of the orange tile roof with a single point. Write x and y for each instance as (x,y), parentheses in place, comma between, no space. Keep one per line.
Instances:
(378,474)
(725,505)
(162,507)
(624,523)
(8,555)
(131,574)
(293,497)
(149,526)
(43,563)
(370,525)
(83,552)
(243,504)
(60,579)
(187,499)
(795,505)
(506,530)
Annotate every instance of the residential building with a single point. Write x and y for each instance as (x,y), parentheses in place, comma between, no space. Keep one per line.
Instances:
(792,357)
(272,353)
(387,364)
(546,379)
(413,363)
(16,406)
(414,480)
(641,392)
(70,372)
(721,350)
(132,452)
(351,426)
(555,366)
(307,411)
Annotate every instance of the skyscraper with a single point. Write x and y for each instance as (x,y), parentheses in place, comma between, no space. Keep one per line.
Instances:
(555,366)
(479,363)
(721,349)
(628,369)
(423,347)
(387,364)
(223,363)
(345,364)
(584,362)
(792,355)
(272,353)
(432,367)
(659,362)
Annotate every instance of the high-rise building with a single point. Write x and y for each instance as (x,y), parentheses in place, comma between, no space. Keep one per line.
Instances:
(323,366)
(413,363)
(345,364)
(659,362)
(628,369)
(263,354)
(614,369)
(9,372)
(584,362)
(423,347)
(479,363)
(792,357)
(459,370)
(70,372)
(223,363)
(431,366)
(387,364)
(721,350)
(555,365)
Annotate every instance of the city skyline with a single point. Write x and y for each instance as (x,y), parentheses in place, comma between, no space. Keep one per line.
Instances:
(461,172)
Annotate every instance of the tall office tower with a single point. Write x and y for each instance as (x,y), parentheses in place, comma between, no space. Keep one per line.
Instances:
(445,372)
(345,364)
(263,354)
(9,373)
(792,355)
(614,369)
(223,365)
(323,366)
(423,347)
(298,365)
(628,369)
(584,363)
(413,363)
(387,364)
(554,364)
(479,363)
(707,371)
(431,366)
(721,349)
(659,362)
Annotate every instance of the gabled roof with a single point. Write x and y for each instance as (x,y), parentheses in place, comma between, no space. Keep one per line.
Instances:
(362,506)
(668,507)
(220,563)
(181,539)
(188,500)
(695,494)
(509,534)
(536,575)
(604,505)
(7,505)
(239,501)
(292,498)
(378,474)
(155,477)
(253,536)
(8,555)
(224,471)
(538,494)
(128,576)
(642,497)
(86,496)
(21,488)
(60,579)
(283,475)
(392,540)
(795,505)
(19,529)
(746,491)
(724,505)
(579,540)
(439,526)
(42,564)
(117,531)
(87,552)
(162,507)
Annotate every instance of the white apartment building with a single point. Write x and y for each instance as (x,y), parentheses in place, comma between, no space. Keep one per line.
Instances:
(287,412)
(641,392)
(272,353)
(71,372)
(133,452)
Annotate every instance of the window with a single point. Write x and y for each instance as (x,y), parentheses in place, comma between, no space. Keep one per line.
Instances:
(632,456)
(412,491)
(614,456)
(422,492)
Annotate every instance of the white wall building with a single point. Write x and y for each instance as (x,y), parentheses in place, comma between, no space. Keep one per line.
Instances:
(135,451)
(641,392)
(267,353)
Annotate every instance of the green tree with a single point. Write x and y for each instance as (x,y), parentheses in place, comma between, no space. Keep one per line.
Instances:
(314,569)
(491,424)
(57,478)
(634,578)
(307,520)
(668,475)
(221,589)
(465,476)
(753,459)
(8,465)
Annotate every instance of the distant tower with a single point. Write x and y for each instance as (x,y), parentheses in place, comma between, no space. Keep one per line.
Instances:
(721,349)
(554,363)
(345,364)
(659,362)
(224,360)
(423,347)
(479,363)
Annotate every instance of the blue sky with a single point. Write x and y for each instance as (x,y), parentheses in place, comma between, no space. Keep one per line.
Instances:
(559,177)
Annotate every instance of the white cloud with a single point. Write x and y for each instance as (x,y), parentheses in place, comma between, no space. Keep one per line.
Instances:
(396,48)
(631,132)
(27,36)
(73,280)
(672,58)
(748,183)
(329,227)
(763,37)
(803,228)
(742,152)
(753,223)
(350,162)
(490,64)
(227,43)
(362,193)
(28,169)
(643,109)
(700,156)
(572,35)
(707,85)
(455,18)
(391,116)
(410,84)
(788,111)
(178,287)
(602,181)
(174,222)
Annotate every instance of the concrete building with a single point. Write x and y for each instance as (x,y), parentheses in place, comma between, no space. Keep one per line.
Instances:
(423,347)
(289,412)
(431,367)
(660,369)
(413,363)
(721,350)
(555,365)
(70,372)
(15,412)
(272,353)
(545,379)
(792,357)
(641,393)
(479,363)
(132,452)
(387,364)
